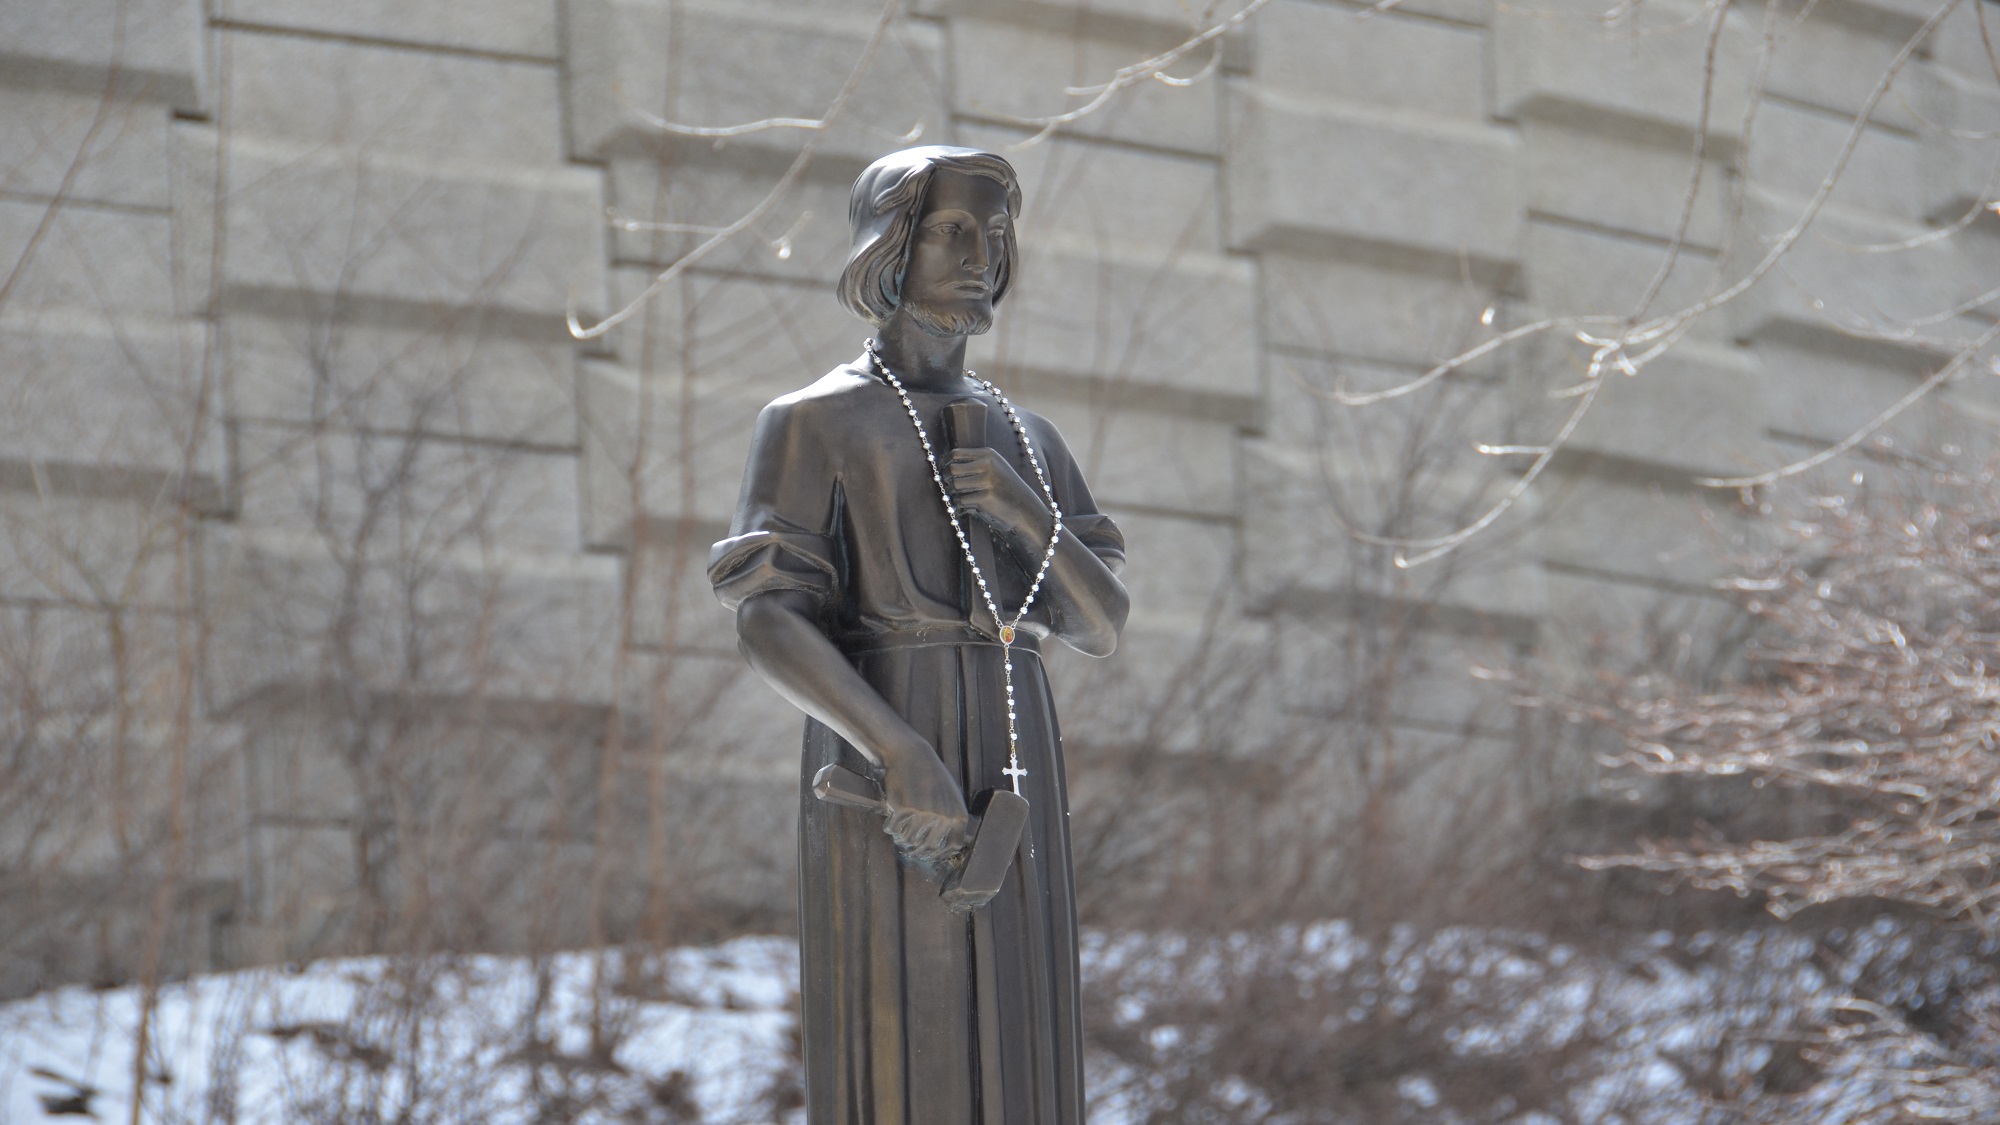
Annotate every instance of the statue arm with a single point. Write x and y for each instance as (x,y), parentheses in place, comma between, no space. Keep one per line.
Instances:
(779,634)
(1087,603)
(777,570)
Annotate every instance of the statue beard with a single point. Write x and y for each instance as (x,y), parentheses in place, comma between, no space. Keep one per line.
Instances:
(939,322)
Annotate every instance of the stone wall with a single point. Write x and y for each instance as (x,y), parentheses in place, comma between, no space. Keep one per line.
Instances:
(319,518)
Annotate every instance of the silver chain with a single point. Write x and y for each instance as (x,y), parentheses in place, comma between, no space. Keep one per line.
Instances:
(1007,628)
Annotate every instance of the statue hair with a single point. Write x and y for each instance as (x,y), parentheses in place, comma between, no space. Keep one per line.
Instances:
(884,215)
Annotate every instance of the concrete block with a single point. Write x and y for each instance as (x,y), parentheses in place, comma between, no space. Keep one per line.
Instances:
(1407,469)
(1158,16)
(1323,176)
(1134,201)
(112,552)
(155,46)
(714,719)
(1177,570)
(113,265)
(712,65)
(674,611)
(1620,627)
(290,615)
(381,101)
(1368,310)
(1887,17)
(299,771)
(1576,272)
(193,163)
(1298,560)
(315,222)
(641,455)
(457,376)
(1377,471)
(1472,13)
(364,493)
(697,369)
(439,781)
(1958,176)
(42,131)
(87,665)
(1597,523)
(1143,459)
(1791,151)
(1444,809)
(766,327)
(501,27)
(1561,60)
(78,781)
(602,80)
(1607,178)
(304,898)
(1389,61)
(1007,72)
(1391,441)
(1179,333)
(1821,388)
(1699,409)
(1175,685)
(804,237)
(1830,283)
(1958,46)
(1832,60)
(111,406)
(1387,666)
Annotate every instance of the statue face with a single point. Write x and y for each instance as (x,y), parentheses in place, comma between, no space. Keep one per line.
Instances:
(955,255)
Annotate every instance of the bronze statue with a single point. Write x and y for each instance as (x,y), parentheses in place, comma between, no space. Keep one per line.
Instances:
(905,541)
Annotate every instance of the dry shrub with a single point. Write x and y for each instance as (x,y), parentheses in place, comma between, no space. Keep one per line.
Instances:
(1853,759)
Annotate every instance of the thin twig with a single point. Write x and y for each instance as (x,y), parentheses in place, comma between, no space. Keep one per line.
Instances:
(1937,379)
(748,218)
(1128,76)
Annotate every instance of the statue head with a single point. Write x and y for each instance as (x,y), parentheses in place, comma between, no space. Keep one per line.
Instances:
(891,198)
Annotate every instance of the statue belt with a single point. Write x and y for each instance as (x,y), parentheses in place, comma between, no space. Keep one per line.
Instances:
(931,638)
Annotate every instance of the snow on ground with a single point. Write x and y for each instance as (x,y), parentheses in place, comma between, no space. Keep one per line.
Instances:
(706,1035)
(692,1035)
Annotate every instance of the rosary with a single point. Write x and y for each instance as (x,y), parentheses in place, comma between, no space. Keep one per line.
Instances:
(1013,770)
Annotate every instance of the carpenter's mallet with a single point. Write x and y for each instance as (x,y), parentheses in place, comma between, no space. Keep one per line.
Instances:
(998,817)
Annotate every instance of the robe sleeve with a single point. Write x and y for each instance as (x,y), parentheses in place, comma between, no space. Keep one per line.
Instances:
(782,535)
(1081,518)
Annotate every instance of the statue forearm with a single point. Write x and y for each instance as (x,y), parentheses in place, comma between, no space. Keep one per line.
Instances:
(779,635)
(1087,602)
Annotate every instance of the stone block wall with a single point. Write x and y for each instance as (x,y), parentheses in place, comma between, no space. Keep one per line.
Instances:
(336,571)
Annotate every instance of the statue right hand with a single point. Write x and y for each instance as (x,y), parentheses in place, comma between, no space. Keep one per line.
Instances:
(926,814)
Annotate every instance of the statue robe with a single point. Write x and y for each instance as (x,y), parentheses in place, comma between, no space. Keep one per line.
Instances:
(914,1014)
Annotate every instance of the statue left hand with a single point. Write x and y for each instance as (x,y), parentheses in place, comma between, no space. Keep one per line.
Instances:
(987,484)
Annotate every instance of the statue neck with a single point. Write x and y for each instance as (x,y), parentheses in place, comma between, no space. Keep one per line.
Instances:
(923,361)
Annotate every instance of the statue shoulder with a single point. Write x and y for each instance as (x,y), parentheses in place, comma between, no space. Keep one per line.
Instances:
(1044,432)
(825,401)
(823,415)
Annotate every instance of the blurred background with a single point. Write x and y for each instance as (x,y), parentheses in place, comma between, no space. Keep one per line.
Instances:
(1553,440)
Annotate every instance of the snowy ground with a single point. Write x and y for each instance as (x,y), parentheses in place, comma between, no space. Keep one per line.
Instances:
(707,1035)
(694,1035)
